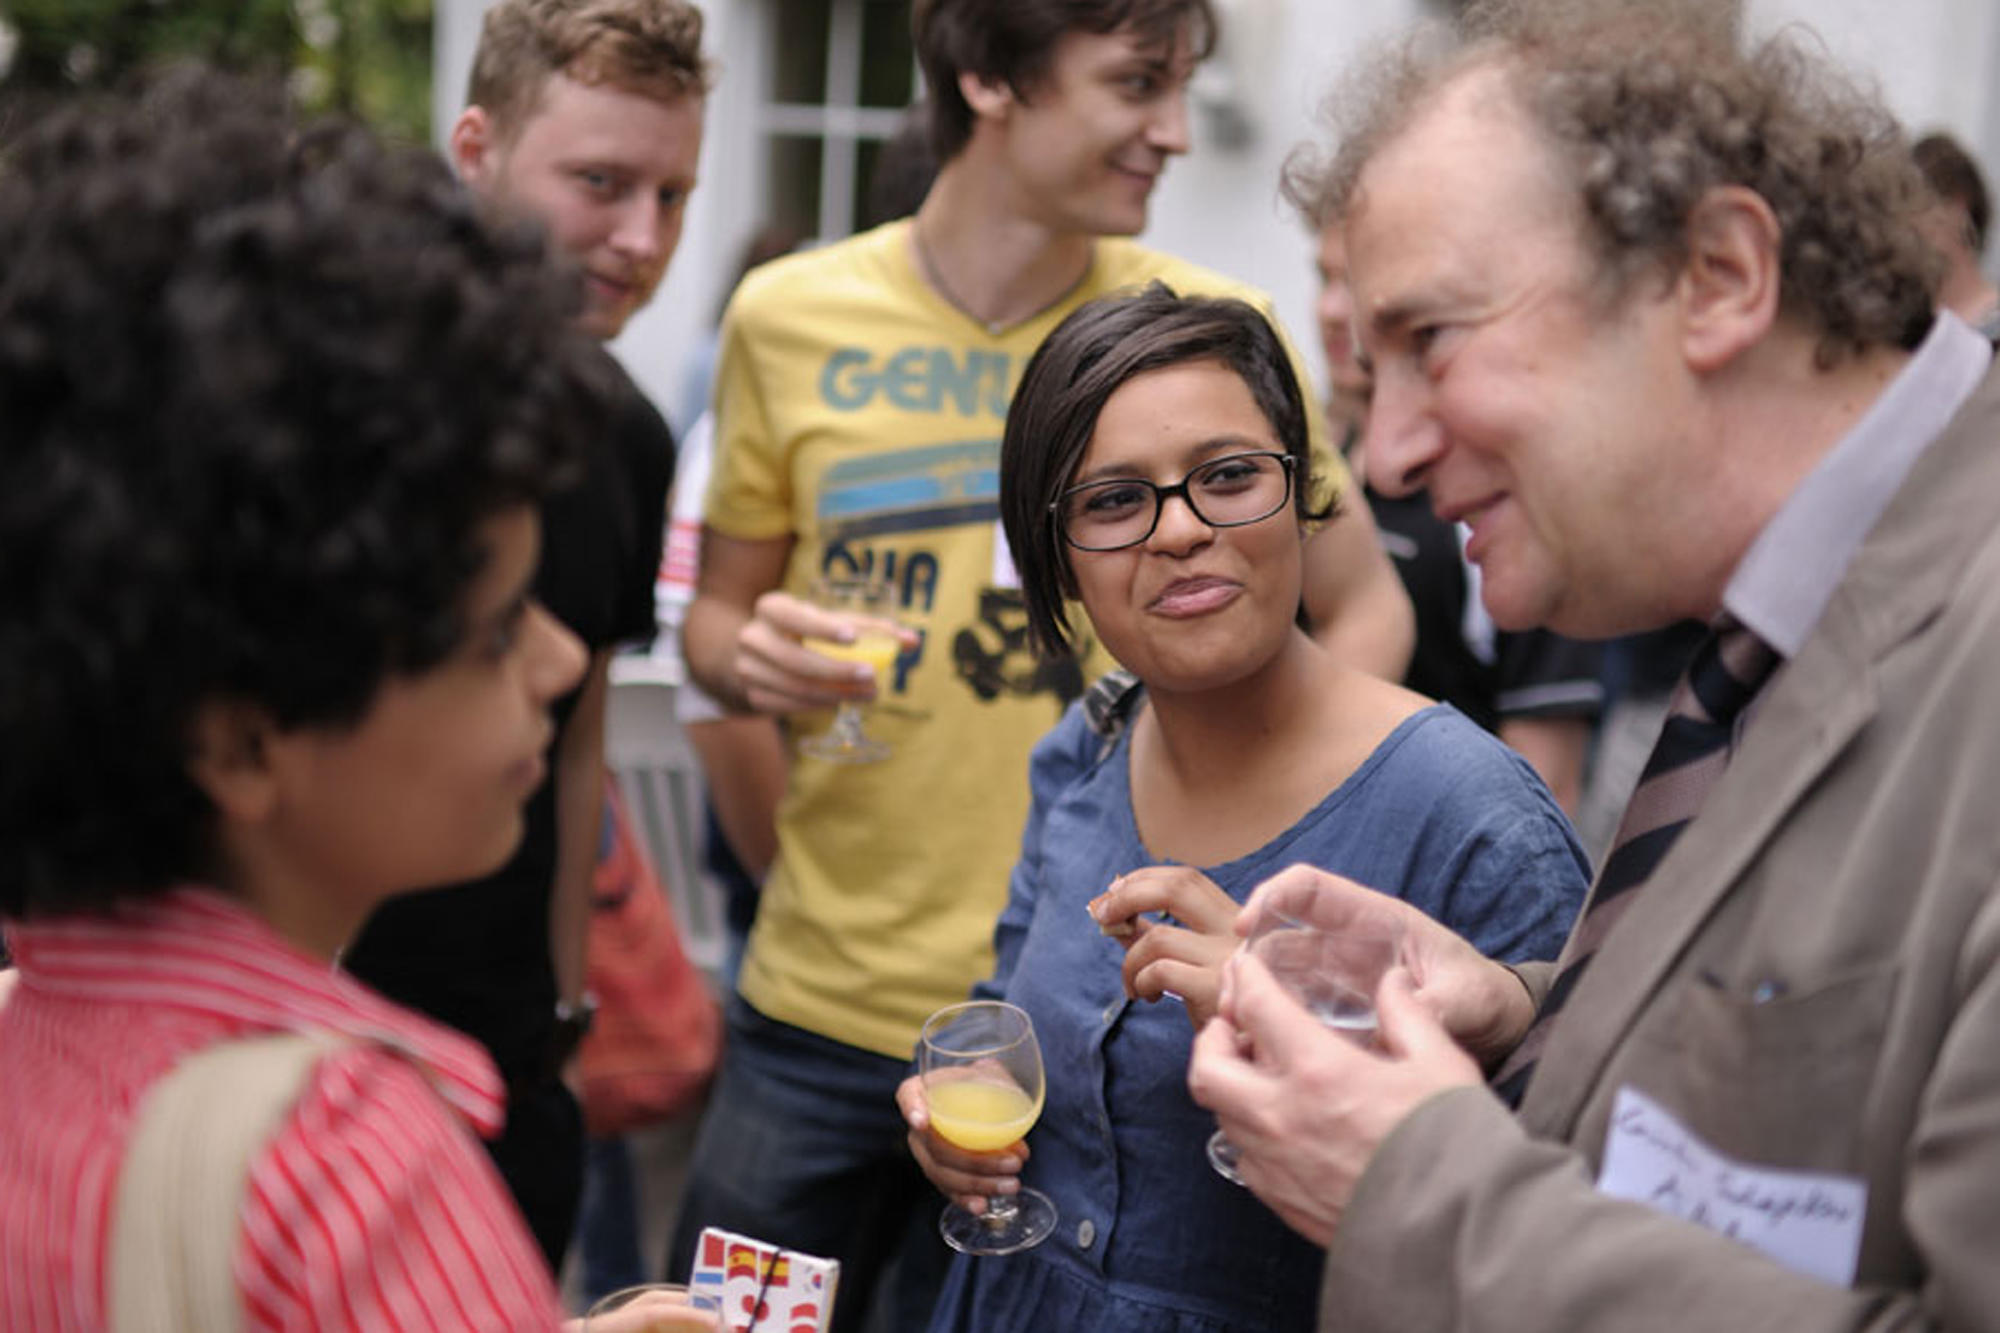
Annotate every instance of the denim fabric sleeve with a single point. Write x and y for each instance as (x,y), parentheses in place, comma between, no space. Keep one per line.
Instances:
(1519,891)
(1507,871)
(1447,818)
(1060,758)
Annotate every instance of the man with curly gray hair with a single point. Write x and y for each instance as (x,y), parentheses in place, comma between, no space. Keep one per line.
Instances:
(1648,312)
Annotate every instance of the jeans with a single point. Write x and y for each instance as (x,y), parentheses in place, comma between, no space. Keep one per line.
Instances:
(803,1146)
(607,1225)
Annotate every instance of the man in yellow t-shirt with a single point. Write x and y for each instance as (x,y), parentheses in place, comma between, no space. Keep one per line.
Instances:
(860,398)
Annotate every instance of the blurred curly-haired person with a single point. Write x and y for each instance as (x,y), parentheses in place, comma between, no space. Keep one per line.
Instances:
(1649,311)
(585,117)
(279,407)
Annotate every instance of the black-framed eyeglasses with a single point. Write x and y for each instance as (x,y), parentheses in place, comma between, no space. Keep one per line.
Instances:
(1226,492)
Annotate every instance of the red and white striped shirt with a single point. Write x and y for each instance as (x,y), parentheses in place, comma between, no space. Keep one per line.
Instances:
(372,1208)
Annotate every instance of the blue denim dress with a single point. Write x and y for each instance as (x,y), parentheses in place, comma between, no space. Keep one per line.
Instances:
(1151,1238)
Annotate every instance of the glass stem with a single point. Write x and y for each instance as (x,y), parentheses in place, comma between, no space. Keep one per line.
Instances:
(1001,1210)
(847,725)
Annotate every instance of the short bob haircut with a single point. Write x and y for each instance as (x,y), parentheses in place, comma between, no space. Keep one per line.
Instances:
(1093,353)
(1014,42)
(648,47)
(263,386)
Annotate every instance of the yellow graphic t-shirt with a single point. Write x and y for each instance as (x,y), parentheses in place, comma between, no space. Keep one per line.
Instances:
(859,412)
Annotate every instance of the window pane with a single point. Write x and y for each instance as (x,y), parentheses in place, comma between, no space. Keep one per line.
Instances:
(886,54)
(795,165)
(865,154)
(798,65)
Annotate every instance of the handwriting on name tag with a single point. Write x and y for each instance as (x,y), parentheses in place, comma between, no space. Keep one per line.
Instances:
(1810,1222)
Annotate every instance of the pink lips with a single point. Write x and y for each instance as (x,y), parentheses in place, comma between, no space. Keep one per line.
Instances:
(610,290)
(1194,597)
(1474,517)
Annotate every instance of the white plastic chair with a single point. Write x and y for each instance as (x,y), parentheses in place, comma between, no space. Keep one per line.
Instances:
(660,779)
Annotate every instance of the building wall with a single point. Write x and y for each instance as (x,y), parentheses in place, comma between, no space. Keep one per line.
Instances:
(1934,61)
(1937,63)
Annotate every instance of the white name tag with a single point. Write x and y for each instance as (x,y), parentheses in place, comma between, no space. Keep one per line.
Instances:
(1809,1223)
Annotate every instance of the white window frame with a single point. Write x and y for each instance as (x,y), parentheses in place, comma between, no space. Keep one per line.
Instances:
(840,123)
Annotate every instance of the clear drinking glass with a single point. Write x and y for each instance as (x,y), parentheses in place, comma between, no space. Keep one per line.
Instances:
(672,1306)
(982,1072)
(1333,973)
(872,604)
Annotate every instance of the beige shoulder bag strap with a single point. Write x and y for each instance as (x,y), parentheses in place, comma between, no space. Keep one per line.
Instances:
(179,1205)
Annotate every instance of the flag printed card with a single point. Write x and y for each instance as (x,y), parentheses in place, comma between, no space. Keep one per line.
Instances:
(764,1289)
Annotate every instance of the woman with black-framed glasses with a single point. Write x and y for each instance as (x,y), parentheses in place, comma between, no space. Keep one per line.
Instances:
(1153,477)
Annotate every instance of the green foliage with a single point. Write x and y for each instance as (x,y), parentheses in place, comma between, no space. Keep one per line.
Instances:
(370,58)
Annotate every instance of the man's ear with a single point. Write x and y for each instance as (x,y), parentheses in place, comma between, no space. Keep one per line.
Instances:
(473,146)
(1730,285)
(230,759)
(986,97)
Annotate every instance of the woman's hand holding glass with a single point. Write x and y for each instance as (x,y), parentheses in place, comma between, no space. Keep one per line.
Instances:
(966,1177)
(1180,956)
(979,1089)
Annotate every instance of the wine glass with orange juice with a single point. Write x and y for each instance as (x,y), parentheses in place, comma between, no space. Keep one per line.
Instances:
(983,1086)
(870,603)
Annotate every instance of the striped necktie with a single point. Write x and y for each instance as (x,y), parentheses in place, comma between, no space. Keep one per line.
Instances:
(1724,675)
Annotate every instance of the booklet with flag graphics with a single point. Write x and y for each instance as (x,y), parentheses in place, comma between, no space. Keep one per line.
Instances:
(763,1288)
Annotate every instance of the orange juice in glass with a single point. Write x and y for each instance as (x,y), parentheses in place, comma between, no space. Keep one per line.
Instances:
(984,1085)
(871,604)
(982,1115)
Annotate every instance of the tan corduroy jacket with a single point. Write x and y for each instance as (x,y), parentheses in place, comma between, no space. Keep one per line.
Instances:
(1811,982)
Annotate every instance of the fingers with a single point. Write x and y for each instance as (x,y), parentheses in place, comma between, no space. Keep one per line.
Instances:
(796,618)
(655,1312)
(911,1102)
(1220,1075)
(1320,898)
(1182,892)
(1279,1028)
(1194,985)
(780,674)
(1167,961)
(967,1178)
(1411,1030)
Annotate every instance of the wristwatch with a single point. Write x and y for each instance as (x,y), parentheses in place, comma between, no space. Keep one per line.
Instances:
(572,1025)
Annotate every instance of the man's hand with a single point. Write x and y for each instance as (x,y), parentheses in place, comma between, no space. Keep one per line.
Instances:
(968,1179)
(1183,959)
(741,636)
(1481,1004)
(779,674)
(1307,1107)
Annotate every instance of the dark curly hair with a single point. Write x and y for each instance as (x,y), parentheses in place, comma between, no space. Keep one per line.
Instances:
(1648,106)
(262,386)
(1095,351)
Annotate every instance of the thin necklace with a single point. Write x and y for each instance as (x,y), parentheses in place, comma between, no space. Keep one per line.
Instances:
(994,327)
